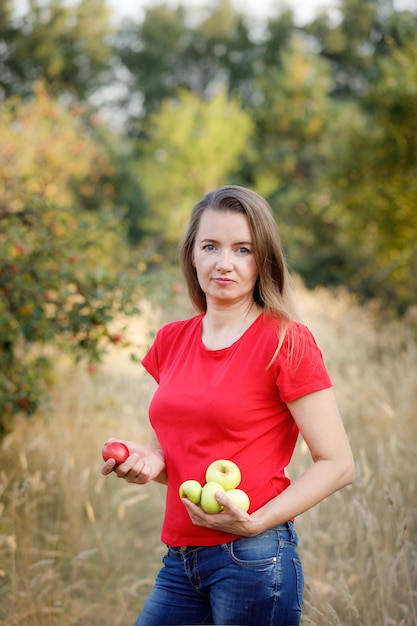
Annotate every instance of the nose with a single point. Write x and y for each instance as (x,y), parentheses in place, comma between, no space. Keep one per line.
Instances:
(224,261)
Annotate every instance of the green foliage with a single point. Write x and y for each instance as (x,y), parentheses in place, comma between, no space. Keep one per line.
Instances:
(65,44)
(152,52)
(361,37)
(193,146)
(372,186)
(351,44)
(167,52)
(59,282)
(320,140)
(291,121)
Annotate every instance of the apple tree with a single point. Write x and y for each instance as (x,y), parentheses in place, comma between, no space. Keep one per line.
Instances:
(62,266)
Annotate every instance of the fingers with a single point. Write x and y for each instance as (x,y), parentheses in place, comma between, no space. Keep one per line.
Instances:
(226,503)
(196,513)
(108,467)
(231,519)
(134,470)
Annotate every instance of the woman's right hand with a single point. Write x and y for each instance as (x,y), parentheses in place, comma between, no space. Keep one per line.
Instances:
(141,466)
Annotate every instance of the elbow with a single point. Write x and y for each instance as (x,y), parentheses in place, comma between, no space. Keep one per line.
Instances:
(348,474)
(352,474)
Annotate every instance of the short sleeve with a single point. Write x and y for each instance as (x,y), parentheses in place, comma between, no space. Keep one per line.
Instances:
(300,365)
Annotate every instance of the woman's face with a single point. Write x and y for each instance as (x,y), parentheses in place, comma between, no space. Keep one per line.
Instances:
(223,257)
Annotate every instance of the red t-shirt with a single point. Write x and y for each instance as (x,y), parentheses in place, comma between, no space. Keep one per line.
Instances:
(227,404)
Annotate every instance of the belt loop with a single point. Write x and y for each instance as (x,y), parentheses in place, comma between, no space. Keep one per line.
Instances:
(290,528)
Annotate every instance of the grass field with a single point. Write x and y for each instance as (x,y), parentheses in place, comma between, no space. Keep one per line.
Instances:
(79,549)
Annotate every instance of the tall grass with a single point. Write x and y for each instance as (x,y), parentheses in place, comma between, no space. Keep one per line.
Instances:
(80,549)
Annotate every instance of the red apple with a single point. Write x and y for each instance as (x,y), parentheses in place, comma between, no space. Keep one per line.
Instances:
(115,450)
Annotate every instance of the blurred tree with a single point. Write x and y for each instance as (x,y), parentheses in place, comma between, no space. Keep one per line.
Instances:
(169,53)
(369,188)
(65,44)
(344,192)
(193,146)
(61,267)
(151,51)
(278,36)
(316,99)
(349,44)
(291,122)
(354,43)
(165,53)
(290,118)
(321,245)
(129,196)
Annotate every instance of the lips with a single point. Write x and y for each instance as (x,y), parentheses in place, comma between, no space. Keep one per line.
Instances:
(223,281)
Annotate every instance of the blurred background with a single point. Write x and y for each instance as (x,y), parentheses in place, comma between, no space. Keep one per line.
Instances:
(115,118)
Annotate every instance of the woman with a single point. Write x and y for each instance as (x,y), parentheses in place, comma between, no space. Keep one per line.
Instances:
(238,381)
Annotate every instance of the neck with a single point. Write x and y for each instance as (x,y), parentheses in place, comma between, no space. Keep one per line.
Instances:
(223,327)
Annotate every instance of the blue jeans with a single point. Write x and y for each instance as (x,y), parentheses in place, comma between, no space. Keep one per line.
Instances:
(252,581)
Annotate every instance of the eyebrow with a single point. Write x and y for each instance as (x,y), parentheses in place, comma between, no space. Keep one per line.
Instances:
(236,243)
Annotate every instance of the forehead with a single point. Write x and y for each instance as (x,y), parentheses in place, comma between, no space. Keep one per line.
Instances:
(221,224)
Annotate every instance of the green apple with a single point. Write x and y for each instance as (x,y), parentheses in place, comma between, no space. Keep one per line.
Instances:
(239,498)
(191,489)
(226,473)
(208,500)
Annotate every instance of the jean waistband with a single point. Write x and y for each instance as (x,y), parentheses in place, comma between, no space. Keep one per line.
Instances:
(288,526)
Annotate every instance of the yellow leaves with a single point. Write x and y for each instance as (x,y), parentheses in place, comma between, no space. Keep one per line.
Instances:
(87,190)
(44,147)
(16,251)
(141,267)
(26,309)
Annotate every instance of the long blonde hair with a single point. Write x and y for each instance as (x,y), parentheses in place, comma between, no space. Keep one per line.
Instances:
(272,290)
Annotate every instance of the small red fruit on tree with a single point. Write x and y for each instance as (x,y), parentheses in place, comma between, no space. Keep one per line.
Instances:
(177,288)
(24,404)
(19,249)
(115,450)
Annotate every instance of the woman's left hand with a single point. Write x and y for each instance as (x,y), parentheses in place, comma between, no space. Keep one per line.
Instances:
(231,519)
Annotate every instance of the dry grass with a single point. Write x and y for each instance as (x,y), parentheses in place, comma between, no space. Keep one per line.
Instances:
(360,546)
(78,549)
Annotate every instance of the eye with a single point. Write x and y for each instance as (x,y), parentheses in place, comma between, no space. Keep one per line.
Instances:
(243,250)
(209,247)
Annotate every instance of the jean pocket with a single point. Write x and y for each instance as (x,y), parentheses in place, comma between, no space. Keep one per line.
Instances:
(299,575)
(254,551)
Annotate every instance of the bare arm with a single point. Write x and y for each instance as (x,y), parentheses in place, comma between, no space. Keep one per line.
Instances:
(320,424)
(145,462)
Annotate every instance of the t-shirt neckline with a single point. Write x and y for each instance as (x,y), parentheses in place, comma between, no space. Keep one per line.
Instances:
(232,345)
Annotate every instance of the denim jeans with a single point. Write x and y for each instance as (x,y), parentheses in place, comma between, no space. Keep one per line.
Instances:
(252,581)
